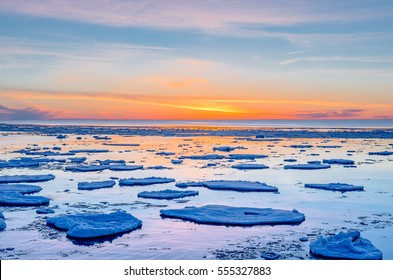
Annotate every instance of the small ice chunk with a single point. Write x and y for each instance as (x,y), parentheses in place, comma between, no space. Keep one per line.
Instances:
(335,187)
(88,226)
(290,160)
(309,166)
(165,153)
(240,186)
(303,239)
(348,246)
(176,161)
(20,188)
(95,185)
(329,146)
(44,210)
(124,167)
(26,178)
(250,166)
(204,157)
(2,221)
(86,168)
(145,181)
(339,161)
(301,146)
(167,194)
(235,216)
(226,148)
(90,151)
(270,255)
(384,153)
(246,156)
(18,199)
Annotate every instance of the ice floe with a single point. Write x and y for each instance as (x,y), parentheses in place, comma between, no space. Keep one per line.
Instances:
(89,226)
(123,167)
(86,168)
(249,166)
(301,146)
(226,148)
(167,194)
(345,246)
(20,188)
(95,185)
(338,161)
(246,156)
(176,161)
(89,151)
(26,178)
(384,153)
(235,216)
(2,221)
(18,199)
(241,186)
(145,181)
(335,187)
(204,157)
(44,211)
(309,166)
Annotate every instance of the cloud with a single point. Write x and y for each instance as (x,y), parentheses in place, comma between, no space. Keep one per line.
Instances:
(349,113)
(29,113)
(247,17)
(338,59)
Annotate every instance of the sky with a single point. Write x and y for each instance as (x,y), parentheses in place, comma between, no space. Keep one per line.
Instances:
(196,60)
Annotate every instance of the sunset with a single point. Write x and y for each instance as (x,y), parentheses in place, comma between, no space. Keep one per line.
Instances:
(195,60)
(196,139)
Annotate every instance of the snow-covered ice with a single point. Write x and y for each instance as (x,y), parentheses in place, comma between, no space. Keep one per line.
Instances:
(88,226)
(235,216)
(339,161)
(26,178)
(249,166)
(335,187)
(96,185)
(145,181)
(231,185)
(309,166)
(18,199)
(167,194)
(345,246)
(20,188)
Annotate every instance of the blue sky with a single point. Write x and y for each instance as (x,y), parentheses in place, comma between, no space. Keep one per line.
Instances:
(174,59)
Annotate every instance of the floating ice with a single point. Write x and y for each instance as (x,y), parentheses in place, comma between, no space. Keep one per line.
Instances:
(20,188)
(111,161)
(246,156)
(309,166)
(95,185)
(121,144)
(88,226)
(77,159)
(339,161)
(345,246)
(121,167)
(384,153)
(301,146)
(26,178)
(335,187)
(241,186)
(249,166)
(235,216)
(270,255)
(329,146)
(204,157)
(176,161)
(290,160)
(19,163)
(167,194)
(44,210)
(90,151)
(86,168)
(165,153)
(145,181)
(18,199)
(226,148)
(2,221)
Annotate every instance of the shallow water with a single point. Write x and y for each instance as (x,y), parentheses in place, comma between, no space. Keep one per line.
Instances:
(370,211)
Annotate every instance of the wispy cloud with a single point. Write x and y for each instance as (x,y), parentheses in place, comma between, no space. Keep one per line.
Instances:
(329,114)
(29,113)
(364,59)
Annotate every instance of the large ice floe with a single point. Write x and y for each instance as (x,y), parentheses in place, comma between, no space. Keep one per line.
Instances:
(145,181)
(26,178)
(18,199)
(167,194)
(2,221)
(308,166)
(96,185)
(345,246)
(240,186)
(249,166)
(89,226)
(20,188)
(335,187)
(235,216)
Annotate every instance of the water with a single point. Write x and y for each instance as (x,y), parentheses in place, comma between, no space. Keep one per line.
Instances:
(28,237)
